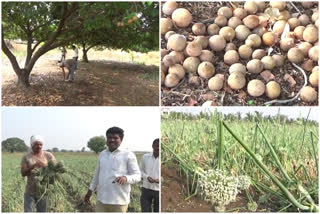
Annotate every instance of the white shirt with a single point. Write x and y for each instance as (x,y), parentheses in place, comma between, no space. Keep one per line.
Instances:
(150,167)
(111,165)
(75,52)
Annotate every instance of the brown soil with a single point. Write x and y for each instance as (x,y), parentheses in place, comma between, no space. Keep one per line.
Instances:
(173,198)
(186,95)
(98,83)
(173,195)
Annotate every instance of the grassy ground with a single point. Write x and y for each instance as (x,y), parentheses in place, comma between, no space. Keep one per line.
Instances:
(76,183)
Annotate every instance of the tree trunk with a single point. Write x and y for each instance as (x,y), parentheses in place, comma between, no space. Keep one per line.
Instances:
(23,77)
(85,55)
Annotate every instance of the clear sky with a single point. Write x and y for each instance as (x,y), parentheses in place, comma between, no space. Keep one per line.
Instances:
(291,112)
(72,127)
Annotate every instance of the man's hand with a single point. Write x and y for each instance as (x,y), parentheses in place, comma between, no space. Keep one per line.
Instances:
(121,180)
(151,180)
(156,180)
(26,170)
(88,196)
(38,164)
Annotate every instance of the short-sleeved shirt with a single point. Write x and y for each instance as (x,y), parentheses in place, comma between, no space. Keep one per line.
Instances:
(30,159)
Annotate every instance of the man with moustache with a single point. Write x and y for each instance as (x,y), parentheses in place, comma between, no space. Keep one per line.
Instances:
(31,162)
(116,170)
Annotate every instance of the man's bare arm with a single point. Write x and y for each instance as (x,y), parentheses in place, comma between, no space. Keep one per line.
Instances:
(26,171)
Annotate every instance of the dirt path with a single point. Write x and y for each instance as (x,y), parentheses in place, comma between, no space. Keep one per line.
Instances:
(98,83)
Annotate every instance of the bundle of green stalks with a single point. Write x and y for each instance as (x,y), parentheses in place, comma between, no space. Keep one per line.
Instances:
(47,178)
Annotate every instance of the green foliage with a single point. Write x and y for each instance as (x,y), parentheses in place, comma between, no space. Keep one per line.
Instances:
(97,144)
(46,178)
(48,25)
(190,141)
(140,35)
(68,197)
(14,144)
(55,149)
(94,23)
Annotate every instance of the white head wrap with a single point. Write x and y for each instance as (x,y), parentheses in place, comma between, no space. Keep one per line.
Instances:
(36,138)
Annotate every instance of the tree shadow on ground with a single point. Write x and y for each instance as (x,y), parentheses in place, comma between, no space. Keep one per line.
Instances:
(98,83)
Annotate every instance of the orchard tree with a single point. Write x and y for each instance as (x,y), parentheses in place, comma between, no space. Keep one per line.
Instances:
(14,144)
(137,29)
(48,25)
(55,149)
(97,144)
(41,24)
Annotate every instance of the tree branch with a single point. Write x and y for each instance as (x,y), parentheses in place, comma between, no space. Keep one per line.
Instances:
(36,45)
(10,55)
(47,46)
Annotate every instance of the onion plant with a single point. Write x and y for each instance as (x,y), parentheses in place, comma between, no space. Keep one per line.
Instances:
(266,150)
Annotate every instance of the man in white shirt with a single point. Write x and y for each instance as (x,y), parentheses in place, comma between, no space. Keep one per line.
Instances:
(150,166)
(75,52)
(116,170)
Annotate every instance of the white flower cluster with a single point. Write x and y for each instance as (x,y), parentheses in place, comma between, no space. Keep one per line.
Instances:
(244,182)
(218,188)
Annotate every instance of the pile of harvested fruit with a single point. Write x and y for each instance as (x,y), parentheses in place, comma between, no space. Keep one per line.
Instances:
(239,53)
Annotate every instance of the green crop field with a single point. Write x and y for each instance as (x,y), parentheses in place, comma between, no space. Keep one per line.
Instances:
(80,170)
(212,153)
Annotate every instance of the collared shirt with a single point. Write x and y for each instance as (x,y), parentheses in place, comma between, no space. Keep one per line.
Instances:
(29,160)
(150,168)
(111,165)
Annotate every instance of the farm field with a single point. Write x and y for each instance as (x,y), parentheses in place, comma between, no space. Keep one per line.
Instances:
(108,56)
(80,170)
(213,162)
(95,84)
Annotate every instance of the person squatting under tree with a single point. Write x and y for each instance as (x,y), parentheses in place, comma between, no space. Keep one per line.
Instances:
(71,65)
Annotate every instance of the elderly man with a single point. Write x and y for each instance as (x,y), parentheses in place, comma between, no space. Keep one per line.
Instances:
(116,170)
(71,65)
(34,160)
(150,166)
